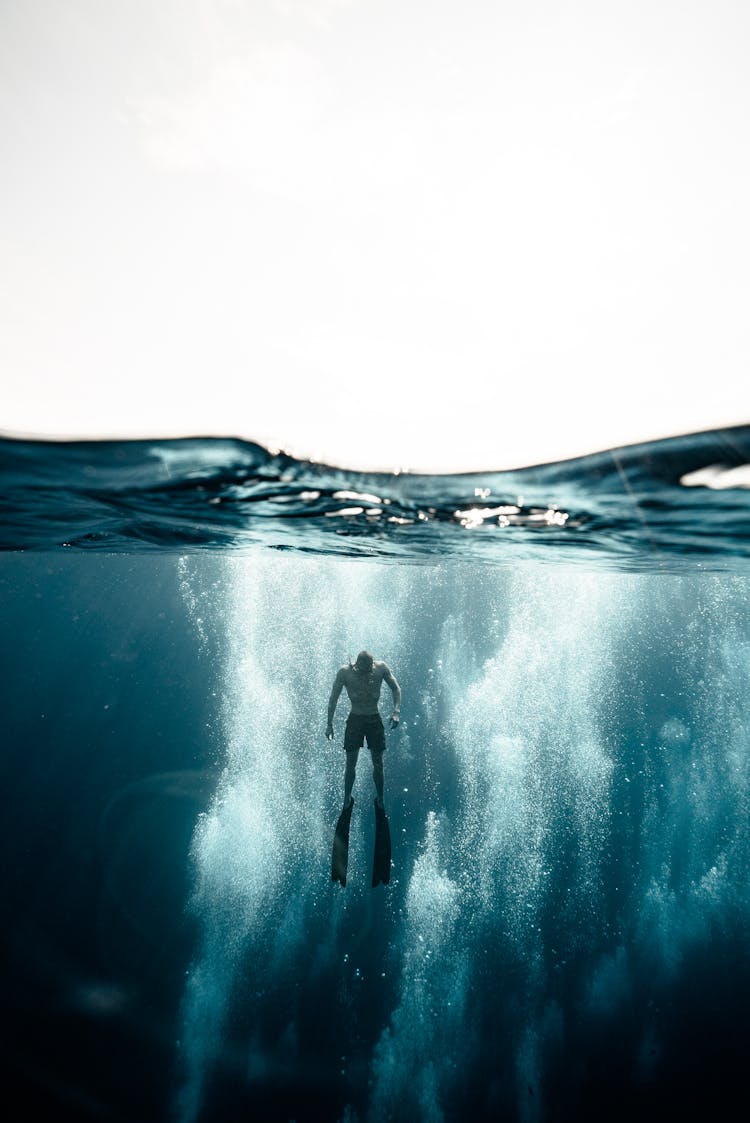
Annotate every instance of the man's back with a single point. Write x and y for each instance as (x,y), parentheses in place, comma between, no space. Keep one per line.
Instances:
(363,687)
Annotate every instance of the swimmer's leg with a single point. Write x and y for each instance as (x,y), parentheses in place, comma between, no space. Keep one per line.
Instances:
(377,773)
(349,774)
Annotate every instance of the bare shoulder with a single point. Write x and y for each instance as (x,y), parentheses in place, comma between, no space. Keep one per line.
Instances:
(383,670)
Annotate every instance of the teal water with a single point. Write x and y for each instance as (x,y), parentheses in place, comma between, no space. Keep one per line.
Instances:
(564,936)
(666,506)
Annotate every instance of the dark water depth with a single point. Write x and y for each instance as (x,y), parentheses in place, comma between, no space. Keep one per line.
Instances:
(666,505)
(565,935)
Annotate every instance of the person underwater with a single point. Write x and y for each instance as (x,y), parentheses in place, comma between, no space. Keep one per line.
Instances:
(362,681)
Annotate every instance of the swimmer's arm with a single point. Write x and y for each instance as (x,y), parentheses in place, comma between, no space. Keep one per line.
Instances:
(390,678)
(338,684)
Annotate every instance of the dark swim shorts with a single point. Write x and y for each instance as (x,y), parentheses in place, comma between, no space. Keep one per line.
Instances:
(359,726)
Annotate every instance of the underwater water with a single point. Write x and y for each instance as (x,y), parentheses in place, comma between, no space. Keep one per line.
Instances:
(565,932)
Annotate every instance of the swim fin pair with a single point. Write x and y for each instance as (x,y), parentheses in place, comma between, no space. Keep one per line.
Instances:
(381,863)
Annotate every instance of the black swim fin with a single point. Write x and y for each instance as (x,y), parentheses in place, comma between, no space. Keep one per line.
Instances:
(340,856)
(381,863)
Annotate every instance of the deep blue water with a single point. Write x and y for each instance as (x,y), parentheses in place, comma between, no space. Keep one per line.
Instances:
(565,934)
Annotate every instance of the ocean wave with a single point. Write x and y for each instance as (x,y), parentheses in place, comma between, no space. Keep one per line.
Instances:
(665,505)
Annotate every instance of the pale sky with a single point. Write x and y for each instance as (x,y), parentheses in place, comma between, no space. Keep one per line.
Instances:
(428,234)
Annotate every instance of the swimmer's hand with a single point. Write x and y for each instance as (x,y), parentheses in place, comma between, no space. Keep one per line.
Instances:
(329,733)
(394,721)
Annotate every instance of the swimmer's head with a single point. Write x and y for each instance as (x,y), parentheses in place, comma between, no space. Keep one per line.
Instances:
(364,661)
